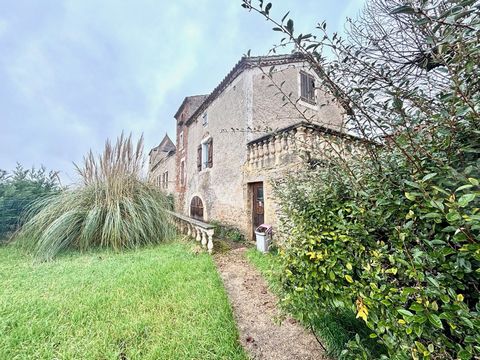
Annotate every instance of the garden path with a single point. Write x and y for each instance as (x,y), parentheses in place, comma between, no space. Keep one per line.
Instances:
(257,316)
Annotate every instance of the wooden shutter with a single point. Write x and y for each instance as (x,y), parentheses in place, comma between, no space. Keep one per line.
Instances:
(303,84)
(199,158)
(210,154)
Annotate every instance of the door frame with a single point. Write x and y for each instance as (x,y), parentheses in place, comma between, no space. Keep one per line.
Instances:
(252,197)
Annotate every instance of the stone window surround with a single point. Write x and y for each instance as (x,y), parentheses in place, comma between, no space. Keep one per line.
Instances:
(204,144)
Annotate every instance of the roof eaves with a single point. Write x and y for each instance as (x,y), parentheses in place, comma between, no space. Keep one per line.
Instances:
(242,64)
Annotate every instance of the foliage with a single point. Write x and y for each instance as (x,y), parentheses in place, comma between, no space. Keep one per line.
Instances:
(335,327)
(227,232)
(391,230)
(113,208)
(162,302)
(19,190)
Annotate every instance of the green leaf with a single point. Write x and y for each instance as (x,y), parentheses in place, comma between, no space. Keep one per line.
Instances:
(453,216)
(435,321)
(410,196)
(290,26)
(267,8)
(465,199)
(404,9)
(405,312)
(429,176)
(463,187)
(473,181)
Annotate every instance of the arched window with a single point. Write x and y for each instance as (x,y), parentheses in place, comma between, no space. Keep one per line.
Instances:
(196,208)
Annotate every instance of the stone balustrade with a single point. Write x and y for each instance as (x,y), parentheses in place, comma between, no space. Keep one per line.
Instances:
(273,149)
(198,230)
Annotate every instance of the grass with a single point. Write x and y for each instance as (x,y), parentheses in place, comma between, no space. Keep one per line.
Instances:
(113,208)
(162,302)
(335,329)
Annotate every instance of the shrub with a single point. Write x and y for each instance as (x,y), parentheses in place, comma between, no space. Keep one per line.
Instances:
(228,232)
(19,190)
(391,230)
(113,207)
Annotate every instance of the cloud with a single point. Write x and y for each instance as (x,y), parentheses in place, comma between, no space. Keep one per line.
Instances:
(73,73)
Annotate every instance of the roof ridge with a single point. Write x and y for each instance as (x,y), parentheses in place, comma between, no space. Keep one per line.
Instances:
(234,72)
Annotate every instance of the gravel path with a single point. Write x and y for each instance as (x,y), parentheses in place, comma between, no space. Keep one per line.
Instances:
(257,316)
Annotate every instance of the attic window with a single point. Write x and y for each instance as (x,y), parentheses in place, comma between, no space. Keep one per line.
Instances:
(205,119)
(307,87)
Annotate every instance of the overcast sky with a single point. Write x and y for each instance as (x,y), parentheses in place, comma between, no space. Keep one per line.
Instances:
(75,72)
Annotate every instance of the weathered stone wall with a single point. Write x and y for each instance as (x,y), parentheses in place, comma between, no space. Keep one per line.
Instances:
(220,187)
(268,102)
(158,166)
(248,102)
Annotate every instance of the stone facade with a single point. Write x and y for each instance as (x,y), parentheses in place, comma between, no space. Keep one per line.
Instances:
(161,166)
(253,134)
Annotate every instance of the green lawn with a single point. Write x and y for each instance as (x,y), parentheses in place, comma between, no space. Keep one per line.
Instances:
(157,303)
(335,328)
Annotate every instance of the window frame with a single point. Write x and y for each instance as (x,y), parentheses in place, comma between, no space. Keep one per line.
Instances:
(183,173)
(205,154)
(310,91)
(180,140)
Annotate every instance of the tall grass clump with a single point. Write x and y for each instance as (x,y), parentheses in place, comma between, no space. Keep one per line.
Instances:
(112,207)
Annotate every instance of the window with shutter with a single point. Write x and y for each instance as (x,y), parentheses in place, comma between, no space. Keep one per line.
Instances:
(210,153)
(199,158)
(307,88)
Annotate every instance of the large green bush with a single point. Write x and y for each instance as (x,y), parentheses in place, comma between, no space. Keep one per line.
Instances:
(20,189)
(392,231)
(113,207)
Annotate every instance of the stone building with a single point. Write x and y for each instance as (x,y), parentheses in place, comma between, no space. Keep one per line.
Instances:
(265,119)
(161,165)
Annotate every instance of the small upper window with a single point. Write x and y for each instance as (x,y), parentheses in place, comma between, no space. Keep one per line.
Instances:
(182,173)
(180,140)
(307,87)
(205,119)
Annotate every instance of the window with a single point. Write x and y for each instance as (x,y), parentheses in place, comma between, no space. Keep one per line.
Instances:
(205,119)
(165,180)
(307,87)
(180,140)
(182,172)
(196,208)
(205,155)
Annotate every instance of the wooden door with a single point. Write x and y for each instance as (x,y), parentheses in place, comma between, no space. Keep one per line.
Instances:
(258,205)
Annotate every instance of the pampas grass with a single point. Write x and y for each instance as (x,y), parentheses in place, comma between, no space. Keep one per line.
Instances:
(113,207)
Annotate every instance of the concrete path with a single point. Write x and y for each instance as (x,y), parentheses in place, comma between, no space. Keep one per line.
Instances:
(257,316)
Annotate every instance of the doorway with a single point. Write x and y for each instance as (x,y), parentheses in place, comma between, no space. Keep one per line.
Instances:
(258,206)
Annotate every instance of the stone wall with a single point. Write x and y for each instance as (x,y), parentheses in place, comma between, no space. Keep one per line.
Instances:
(247,104)
(220,187)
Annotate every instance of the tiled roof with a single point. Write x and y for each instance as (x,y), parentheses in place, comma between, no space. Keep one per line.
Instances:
(166,145)
(194,102)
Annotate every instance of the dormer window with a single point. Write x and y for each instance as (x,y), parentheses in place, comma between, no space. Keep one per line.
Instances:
(307,88)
